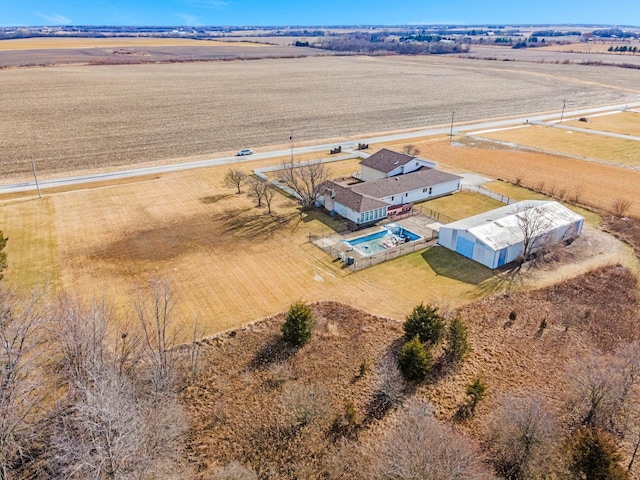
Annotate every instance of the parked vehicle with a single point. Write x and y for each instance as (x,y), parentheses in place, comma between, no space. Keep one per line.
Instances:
(244,151)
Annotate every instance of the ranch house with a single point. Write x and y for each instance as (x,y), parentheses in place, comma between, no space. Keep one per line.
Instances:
(385,196)
(497,237)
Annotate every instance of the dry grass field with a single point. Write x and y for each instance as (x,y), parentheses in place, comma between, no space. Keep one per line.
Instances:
(556,140)
(115,42)
(130,51)
(229,262)
(98,117)
(578,55)
(593,47)
(626,123)
(594,184)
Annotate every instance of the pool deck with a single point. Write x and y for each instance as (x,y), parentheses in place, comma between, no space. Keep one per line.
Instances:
(418,224)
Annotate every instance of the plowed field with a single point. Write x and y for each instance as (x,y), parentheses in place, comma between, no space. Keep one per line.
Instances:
(98,117)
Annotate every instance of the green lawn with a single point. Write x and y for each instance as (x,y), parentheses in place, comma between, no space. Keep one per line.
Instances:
(520,193)
(462,204)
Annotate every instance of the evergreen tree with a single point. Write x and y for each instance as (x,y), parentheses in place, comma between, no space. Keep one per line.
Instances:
(426,323)
(457,344)
(594,456)
(414,361)
(298,326)
(476,391)
(3,255)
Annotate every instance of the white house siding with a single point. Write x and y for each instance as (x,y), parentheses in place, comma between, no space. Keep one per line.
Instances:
(346,212)
(368,174)
(424,193)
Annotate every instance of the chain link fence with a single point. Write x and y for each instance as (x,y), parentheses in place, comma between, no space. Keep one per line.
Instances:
(327,241)
(488,193)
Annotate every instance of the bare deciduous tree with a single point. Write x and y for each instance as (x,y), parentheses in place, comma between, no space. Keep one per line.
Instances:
(235,178)
(110,424)
(391,388)
(417,446)
(156,313)
(269,193)
(604,389)
(305,179)
(520,436)
(620,207)
(22,385)
(532,224)
(257,189)
(411,149)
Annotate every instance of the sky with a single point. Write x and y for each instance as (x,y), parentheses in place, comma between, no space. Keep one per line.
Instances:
(319,12)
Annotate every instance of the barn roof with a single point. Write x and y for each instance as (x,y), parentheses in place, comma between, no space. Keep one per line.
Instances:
(503,226)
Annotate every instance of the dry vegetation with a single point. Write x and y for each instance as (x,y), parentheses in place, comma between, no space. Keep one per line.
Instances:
(80,118)
(626,123)
(592,47)
(597,185)
(93,52)
(281,412)
(230,262)
(114,42)
(573,143)
(244,403)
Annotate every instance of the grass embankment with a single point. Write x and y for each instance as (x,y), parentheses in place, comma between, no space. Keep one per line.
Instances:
(243,404)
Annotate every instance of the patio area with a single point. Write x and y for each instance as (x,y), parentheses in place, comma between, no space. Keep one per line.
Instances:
(336,244)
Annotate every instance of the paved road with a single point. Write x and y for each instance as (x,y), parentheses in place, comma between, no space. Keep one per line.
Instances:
(457,129)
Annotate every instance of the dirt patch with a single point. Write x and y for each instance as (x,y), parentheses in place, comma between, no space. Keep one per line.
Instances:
(242,406)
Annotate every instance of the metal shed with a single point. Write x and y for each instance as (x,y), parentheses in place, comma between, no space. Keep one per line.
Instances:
(500,236)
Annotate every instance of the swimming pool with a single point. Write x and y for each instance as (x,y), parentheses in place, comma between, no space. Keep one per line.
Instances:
(391,236)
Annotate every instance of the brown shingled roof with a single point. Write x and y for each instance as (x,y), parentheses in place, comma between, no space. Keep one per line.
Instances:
(403,183)
(386,160)
(355,201)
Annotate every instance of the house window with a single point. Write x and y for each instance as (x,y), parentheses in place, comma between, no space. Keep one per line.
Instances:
(406,194)
(430,190)
(361,217)
(425,190)
(392,199)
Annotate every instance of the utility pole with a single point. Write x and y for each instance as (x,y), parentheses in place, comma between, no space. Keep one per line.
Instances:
(33,165)
(451,131)
(564,103)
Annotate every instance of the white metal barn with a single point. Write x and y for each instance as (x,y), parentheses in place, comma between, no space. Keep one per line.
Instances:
(497,237)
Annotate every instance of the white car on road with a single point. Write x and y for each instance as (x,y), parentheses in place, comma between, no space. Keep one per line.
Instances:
(244,151)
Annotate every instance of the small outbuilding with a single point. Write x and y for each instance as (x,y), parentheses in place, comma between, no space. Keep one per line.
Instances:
(506,234)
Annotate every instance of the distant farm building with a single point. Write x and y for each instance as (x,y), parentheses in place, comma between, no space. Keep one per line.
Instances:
(395,182)
(498,237)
